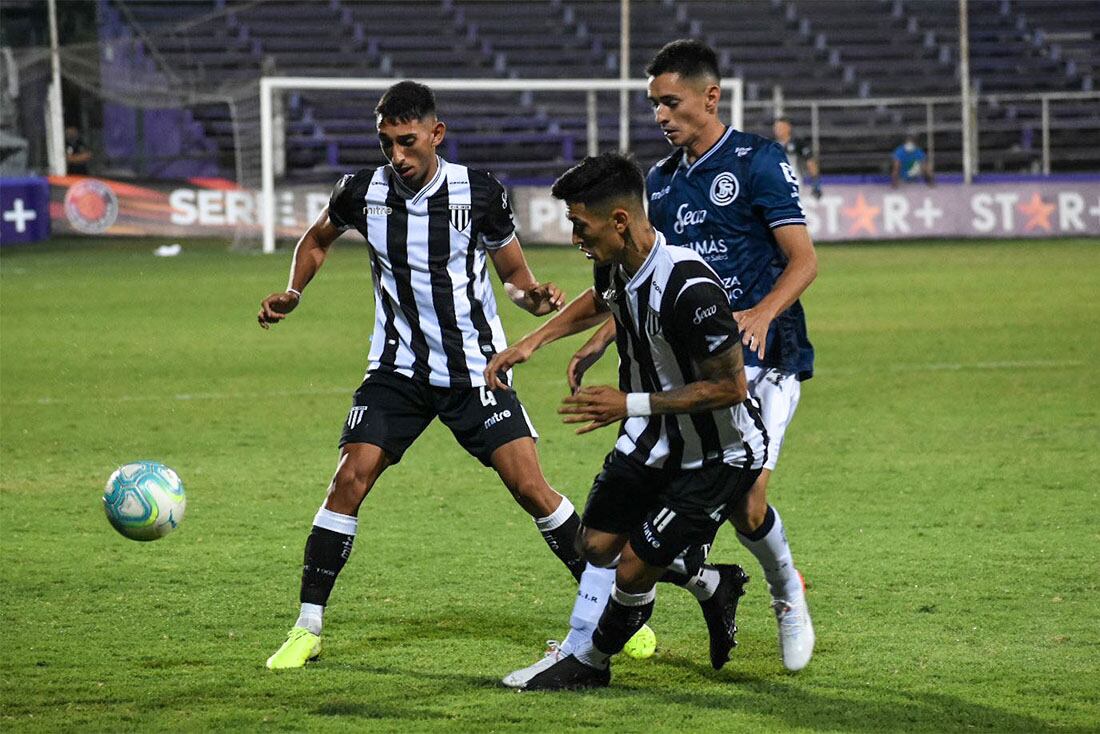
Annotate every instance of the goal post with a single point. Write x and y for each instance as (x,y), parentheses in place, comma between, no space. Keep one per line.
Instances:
(270,86)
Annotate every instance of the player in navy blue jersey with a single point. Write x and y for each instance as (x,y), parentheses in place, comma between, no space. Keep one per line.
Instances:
(431,226)
(733,197)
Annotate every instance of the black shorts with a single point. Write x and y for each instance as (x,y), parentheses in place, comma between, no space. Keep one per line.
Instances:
(664,511)
(391,411)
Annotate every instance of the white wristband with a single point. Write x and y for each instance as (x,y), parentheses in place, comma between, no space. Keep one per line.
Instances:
(295,292)
(637,404)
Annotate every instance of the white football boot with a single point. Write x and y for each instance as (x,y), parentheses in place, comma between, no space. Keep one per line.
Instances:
(796,630)
(519,678)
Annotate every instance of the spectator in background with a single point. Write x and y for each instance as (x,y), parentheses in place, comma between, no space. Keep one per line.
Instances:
(77,155)
(910,163)
(800,153)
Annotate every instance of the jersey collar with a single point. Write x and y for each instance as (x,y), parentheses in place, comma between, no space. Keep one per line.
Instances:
(415,197)
(649,264)
(701,159)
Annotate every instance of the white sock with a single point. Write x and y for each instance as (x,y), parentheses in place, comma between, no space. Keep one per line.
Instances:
(705,583)
(769,546)
(334,521)
(311,617)
(590,656)
(557,517)
(592,594)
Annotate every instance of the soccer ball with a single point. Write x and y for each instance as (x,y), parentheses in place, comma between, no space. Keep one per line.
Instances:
(144,500)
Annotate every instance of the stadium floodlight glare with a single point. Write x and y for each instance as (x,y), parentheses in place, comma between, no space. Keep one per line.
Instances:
(269,86)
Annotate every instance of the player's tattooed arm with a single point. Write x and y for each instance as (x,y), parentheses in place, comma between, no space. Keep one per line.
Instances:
(520,283)
(581,314)
(794,240)
(721,384)
(309,255)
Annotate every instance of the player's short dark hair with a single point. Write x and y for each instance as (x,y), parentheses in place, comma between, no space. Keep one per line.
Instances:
(600,179)
(689,58)
(406,101)
(782,118)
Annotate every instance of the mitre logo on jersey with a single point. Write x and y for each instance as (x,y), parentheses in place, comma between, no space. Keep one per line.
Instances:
(724,189)
(460,216)
(378,210)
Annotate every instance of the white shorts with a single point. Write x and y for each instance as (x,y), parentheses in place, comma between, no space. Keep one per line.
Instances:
(778,393)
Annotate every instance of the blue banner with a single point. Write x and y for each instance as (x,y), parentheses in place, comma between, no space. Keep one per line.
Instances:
(25,210)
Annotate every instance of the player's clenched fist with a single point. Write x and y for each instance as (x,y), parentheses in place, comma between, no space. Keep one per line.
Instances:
(275,307)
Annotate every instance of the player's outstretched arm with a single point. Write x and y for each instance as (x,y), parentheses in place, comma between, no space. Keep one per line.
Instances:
(581,314)
(589,354)
(520,284)
(721,384)
(794,240)
(309,255)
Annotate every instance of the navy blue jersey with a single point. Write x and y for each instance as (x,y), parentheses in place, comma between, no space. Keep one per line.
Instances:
(725,206)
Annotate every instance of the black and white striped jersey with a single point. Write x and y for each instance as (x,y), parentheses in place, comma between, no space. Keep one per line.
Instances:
(670,315)
(435,317)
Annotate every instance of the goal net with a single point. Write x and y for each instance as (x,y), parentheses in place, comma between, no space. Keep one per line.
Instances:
(524,131)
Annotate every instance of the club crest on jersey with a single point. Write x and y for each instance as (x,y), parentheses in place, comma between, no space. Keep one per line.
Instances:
(460,216)
(355,416)
(724,189)
(652,321)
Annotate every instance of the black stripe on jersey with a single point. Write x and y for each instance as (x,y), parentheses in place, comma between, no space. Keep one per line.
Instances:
(758,420)
(622,341)
(651,382)
(477,311)
(710,440)
(389,351)
(439,254)
(397,246)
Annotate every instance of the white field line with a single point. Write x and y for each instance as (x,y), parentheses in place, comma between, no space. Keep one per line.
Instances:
(349,389)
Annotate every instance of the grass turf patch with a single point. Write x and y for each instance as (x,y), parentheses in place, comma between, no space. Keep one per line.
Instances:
(938,484)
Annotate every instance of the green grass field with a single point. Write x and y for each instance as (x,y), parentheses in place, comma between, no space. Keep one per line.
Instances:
(939,485)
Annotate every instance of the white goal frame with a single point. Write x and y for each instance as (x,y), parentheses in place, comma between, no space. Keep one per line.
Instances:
(269,85)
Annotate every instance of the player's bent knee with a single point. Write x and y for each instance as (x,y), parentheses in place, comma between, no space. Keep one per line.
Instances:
(359,469)
(599,549)
(748,515)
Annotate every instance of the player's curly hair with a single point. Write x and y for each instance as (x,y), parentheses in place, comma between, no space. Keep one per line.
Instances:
(406,101)
(599,179)
(687,57)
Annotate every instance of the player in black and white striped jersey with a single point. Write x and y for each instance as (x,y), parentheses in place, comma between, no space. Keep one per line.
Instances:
(430,226)
(692,441)
(436,318)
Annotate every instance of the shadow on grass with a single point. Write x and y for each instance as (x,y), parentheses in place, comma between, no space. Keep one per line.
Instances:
(791,702)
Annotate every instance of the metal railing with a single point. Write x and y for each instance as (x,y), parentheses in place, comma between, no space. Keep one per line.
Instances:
(933,123)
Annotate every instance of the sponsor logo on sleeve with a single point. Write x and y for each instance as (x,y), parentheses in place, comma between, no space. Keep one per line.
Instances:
(702,314)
